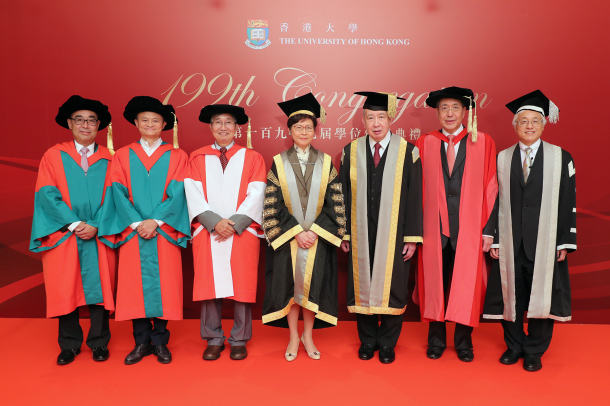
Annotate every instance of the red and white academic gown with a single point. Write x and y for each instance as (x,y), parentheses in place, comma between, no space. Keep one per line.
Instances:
(228,269)
(478,195)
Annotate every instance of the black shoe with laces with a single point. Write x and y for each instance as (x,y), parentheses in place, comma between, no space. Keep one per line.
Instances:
(67,356)
(367,351)
(434,352)
(100,354)
(139,351)
(465,355)
(386,354)
(163,354)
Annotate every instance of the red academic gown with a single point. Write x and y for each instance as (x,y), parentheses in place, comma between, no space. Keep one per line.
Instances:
(76,272)
(150,271)
(228,269)
(478,195)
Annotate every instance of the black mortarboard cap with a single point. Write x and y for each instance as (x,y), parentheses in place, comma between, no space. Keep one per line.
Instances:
(75,103)
(535,101)
(306,104)
(378,101)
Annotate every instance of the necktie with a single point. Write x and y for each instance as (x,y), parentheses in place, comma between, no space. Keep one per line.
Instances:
(376,156)
(527,162)
(84,163)
(451,153)
(223,158)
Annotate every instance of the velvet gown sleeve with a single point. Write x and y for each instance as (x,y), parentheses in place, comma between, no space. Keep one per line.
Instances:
(330,223)
(566,217)
(279,225)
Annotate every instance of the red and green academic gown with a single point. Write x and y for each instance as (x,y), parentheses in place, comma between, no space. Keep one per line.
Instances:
(76,272)
(228,269)
(478,195)
(150,271)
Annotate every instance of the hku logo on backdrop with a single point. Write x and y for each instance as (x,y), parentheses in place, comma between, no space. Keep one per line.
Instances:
(258,34)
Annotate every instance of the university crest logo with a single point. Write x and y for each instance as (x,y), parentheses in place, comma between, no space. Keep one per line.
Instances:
(258,34)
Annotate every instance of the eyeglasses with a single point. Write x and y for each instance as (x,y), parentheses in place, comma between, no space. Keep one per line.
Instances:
(445,109)
(299,128)
(535,122)
(80,121)
(227,124)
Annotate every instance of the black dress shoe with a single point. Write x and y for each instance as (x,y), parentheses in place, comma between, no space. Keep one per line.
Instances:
(139,351)
(367,351)
(435,352)
(510,357)
(67,356)
(163,354)
(532,364)
(386,354)
(100,354)
(465,355)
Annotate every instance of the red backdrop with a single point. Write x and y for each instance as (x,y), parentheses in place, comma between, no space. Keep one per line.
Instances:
(193,53)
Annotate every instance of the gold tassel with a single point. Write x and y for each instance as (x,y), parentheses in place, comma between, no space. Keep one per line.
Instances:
(322,114)
(109,143)
(249,135)
(470,116)
(474,125)
(392,101)
(175,131)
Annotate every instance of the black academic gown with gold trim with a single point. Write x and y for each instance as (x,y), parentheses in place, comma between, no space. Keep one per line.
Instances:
(409,224)
(281,226)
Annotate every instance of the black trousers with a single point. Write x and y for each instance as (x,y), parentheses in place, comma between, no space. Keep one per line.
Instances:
(71,333)
(540,331)
(437,330)
(386,334)
(145,333)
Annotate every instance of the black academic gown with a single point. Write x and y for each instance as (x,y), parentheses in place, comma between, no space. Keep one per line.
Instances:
(525,211)
(409,227)
(280,228)
(525,202)
(410,216)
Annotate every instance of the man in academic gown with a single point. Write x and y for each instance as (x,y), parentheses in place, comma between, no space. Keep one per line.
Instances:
(78,269)
(225,188)
(460,188)
(536,229)
(381,181)
(150,225)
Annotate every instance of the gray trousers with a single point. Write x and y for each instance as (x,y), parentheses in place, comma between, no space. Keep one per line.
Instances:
(211,328)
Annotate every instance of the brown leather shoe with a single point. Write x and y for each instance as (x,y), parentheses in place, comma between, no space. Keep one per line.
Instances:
(239,352)
(213,352)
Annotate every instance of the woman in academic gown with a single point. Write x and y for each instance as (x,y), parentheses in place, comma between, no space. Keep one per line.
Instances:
(304,220)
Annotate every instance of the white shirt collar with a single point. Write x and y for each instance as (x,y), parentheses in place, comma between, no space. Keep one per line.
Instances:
(459,130)
(534,146)
(147,148)
(228,147)
(90,148)
(383,143)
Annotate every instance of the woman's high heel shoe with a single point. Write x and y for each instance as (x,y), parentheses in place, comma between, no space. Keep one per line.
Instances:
(312,355)
(289,356)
